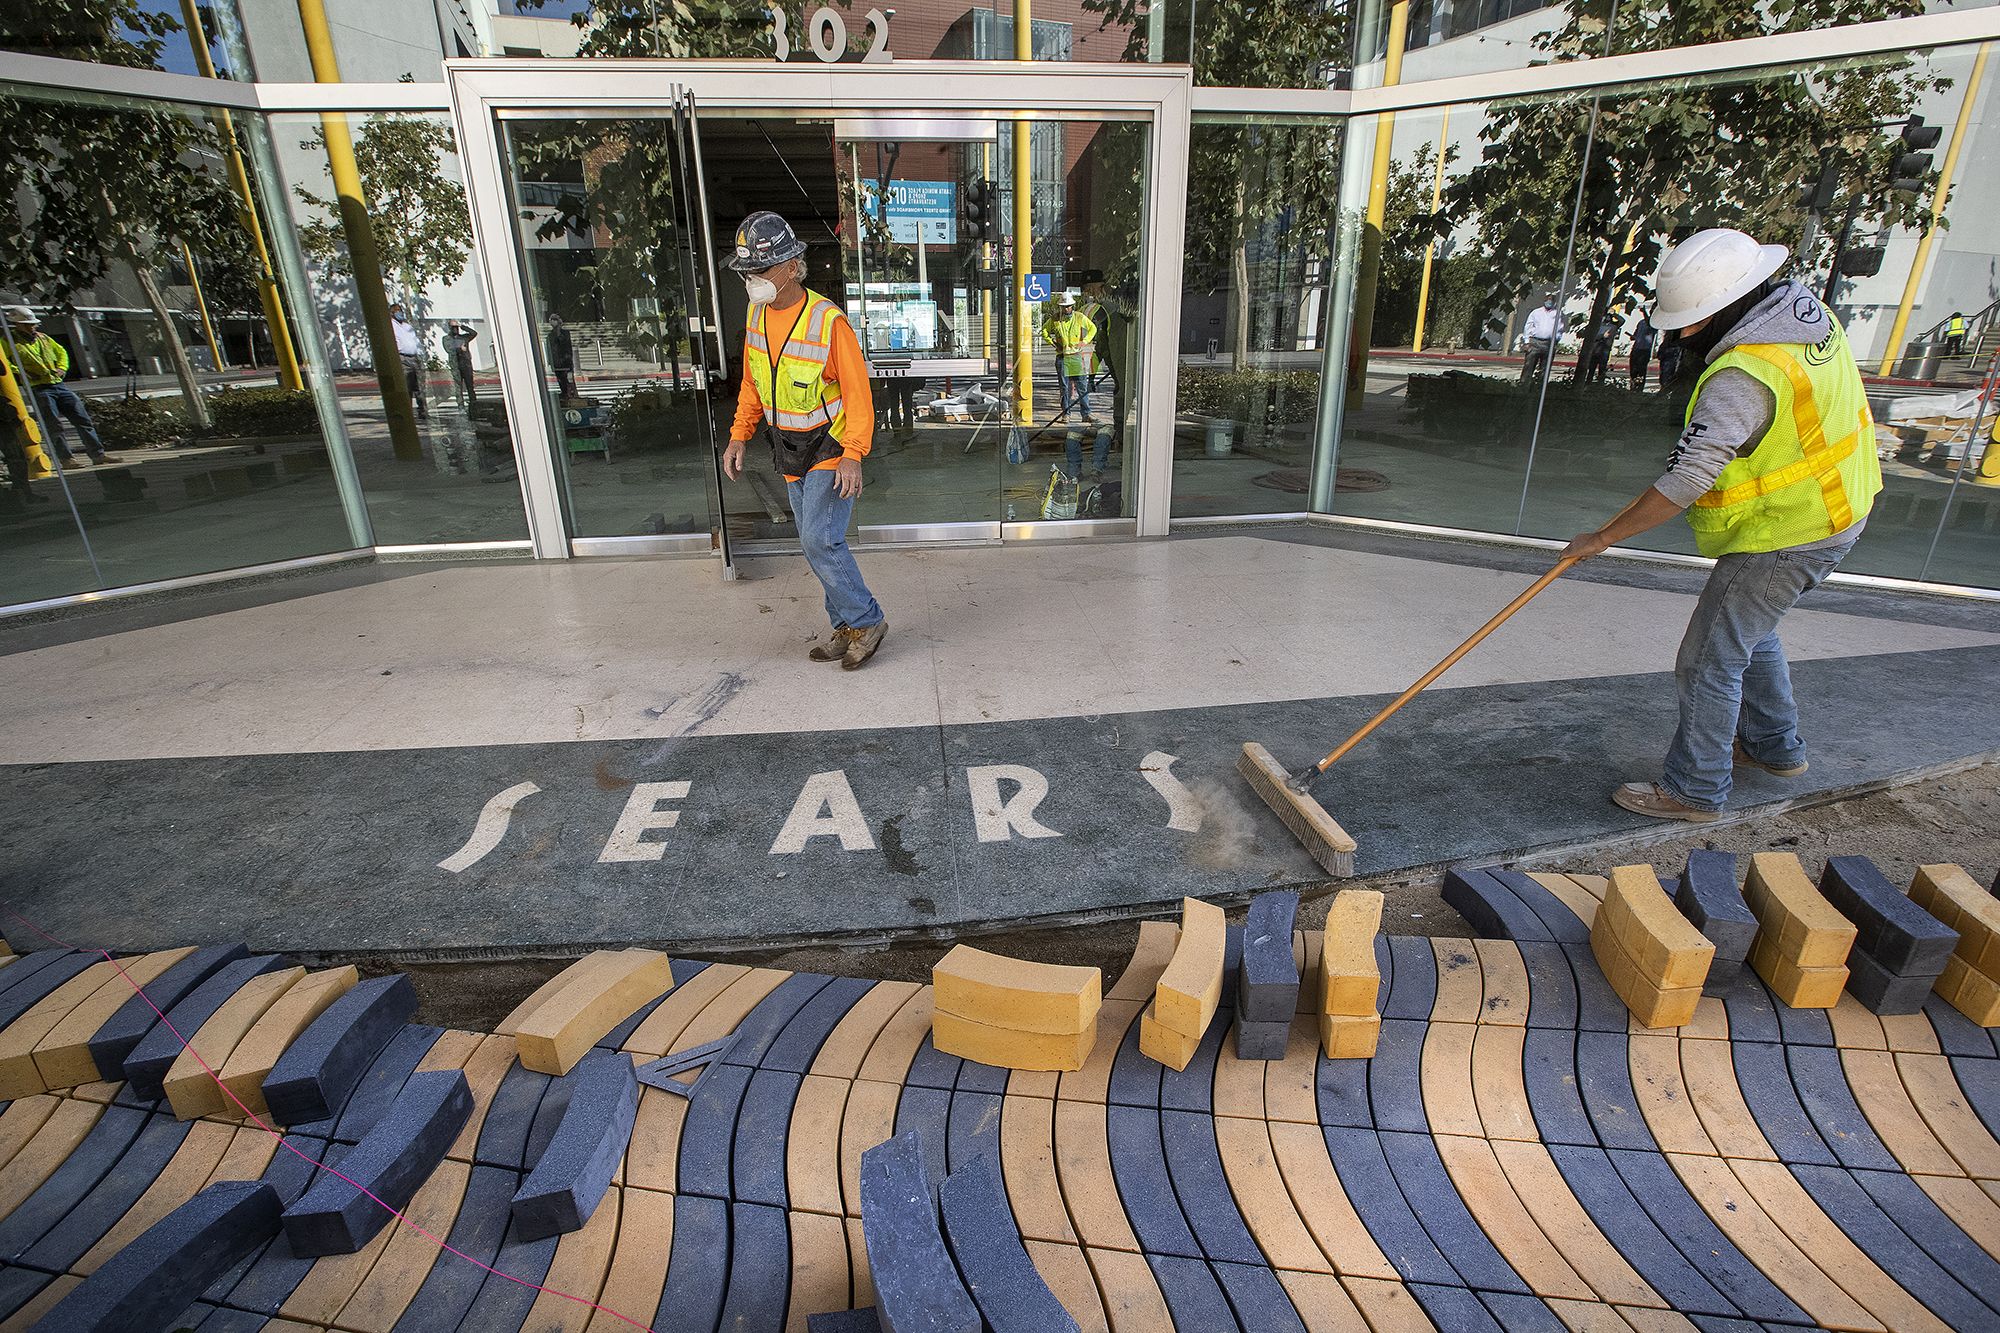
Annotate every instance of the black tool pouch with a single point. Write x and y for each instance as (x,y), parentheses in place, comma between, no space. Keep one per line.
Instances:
(796,452)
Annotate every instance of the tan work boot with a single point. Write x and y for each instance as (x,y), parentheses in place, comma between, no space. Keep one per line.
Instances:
(1748,760)
(863,644)
(1656,802)
(833,647)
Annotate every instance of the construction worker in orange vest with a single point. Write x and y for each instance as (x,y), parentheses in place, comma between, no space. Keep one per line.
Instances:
(805,394)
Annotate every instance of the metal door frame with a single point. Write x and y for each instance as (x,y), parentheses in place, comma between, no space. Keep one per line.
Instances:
(482,88)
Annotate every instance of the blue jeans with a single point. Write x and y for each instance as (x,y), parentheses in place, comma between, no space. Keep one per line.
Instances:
(1075,392)
(1100,452)
(822,515)
(60,403)
(1731,672)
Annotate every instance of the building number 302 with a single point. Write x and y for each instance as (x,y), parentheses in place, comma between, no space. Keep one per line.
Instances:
(826,34)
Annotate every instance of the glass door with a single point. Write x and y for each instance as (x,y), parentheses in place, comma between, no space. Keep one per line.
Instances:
(987,235)
(612,242)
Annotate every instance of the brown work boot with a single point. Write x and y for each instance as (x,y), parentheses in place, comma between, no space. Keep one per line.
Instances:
(863,644)
(1746,759)
(1656,802)
(833,647)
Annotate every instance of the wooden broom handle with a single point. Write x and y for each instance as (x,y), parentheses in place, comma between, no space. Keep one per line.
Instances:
(1446,665)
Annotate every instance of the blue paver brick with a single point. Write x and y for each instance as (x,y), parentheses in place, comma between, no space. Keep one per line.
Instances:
(926,1112)
(1268,980)
(1598,1008)
(1822,1085)
(1554,914)
(1766,1081)
(1258,1298)
(449,1289)
(501,1304)
(112,1043)
(1957,1034)
(86,1223)
(1490,907)
(1889,926)
(1881,991)
(570,1176)
(1193,1088)
(972,1129)
(29,989)
(1371,1187)
(318,1072)
(1262,1041)
(1413,978)
(1551,985)
(1522,1314)
(1341,1087)
(1139,1165)
(1135,1076)
(932,1068)
(976,1077)
(1655,1185)
(1428,1189)
(1548,1060)
(376,1091)
(697,1266)
(709,1132)
(1395,1089)
(164,1270)
(1192,1293)
(761,1026)
(1608,1199)
(1604,1076)
(1708,896)
(1194,1166)
(1878,1236)
(916,1283)
(979,1226)
(397,1156)
(1454,1308)
(760,1268)
(72,1180)
(1932,1228)
(510,1118)
(146,1068)
(763,1124)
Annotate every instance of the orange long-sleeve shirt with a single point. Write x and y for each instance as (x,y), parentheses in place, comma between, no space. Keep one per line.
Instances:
(845,367)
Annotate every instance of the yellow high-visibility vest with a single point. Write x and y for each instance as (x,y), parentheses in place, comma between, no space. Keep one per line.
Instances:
(1077,338)
(1955,326)
(1814,473)
(801,398)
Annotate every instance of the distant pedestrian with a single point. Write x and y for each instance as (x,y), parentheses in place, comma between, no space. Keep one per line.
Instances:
(1600,350)
(1954,334)
(1642,352)
(1539,337)
(410,348)
(47,364)
(562,358)
(458,340)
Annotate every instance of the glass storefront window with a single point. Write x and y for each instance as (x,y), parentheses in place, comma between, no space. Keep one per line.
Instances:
(136,34)
(163,348)
(1256,300)
(453,477)
(881,204)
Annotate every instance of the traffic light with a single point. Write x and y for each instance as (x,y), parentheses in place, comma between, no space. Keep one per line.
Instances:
(874,251)
(1818,197)
(1862,262)
(1909,167)
(978,215)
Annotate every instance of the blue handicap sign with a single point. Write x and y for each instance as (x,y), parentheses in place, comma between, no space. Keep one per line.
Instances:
(1035,287)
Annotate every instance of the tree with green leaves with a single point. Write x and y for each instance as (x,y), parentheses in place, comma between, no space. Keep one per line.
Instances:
(417,211)
(96,186)
(1657,165)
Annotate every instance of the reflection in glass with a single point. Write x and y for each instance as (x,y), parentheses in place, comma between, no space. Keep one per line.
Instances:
(136,258)
(1262,206)
(456,481)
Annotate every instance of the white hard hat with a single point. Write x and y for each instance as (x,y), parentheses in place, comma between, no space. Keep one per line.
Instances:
(1066,298)
(1707,271)
(20,314)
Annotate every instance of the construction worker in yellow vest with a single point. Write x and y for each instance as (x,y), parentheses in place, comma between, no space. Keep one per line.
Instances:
(1075,339)
(20,439)
(805,396)
(1954,334)
(1776,471)
(46,363)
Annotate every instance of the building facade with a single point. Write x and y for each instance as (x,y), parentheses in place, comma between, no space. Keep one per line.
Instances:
(1307,234)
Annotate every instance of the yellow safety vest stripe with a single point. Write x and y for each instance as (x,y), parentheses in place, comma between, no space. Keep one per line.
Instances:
(790,403)
(1819,459)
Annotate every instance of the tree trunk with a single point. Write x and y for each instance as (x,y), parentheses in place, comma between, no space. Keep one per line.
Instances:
(1600,303)
(1239,278)
(197,408)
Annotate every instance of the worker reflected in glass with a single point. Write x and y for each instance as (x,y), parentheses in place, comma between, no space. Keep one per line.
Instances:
(1075,340)
(1538,339)
(1776,471)
(458,339)
(410,351)
(562,358)
(46,365)
(1642,353)
(806,398)
(1113,318)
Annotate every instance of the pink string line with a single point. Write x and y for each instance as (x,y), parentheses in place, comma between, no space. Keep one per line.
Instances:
(438,1241)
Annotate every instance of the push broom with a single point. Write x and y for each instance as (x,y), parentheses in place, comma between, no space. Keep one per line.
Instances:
(1291,797)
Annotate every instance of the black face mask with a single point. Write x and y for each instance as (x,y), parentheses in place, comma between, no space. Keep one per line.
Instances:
(1725,320)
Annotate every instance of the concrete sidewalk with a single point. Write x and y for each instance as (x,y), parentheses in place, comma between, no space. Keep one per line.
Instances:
(522,757)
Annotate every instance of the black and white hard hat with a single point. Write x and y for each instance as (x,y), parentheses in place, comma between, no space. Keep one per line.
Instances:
(764,239)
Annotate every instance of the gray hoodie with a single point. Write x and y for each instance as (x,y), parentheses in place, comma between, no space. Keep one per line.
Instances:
(1734,410)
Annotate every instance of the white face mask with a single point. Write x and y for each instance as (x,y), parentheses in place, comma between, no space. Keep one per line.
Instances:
(761,289)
